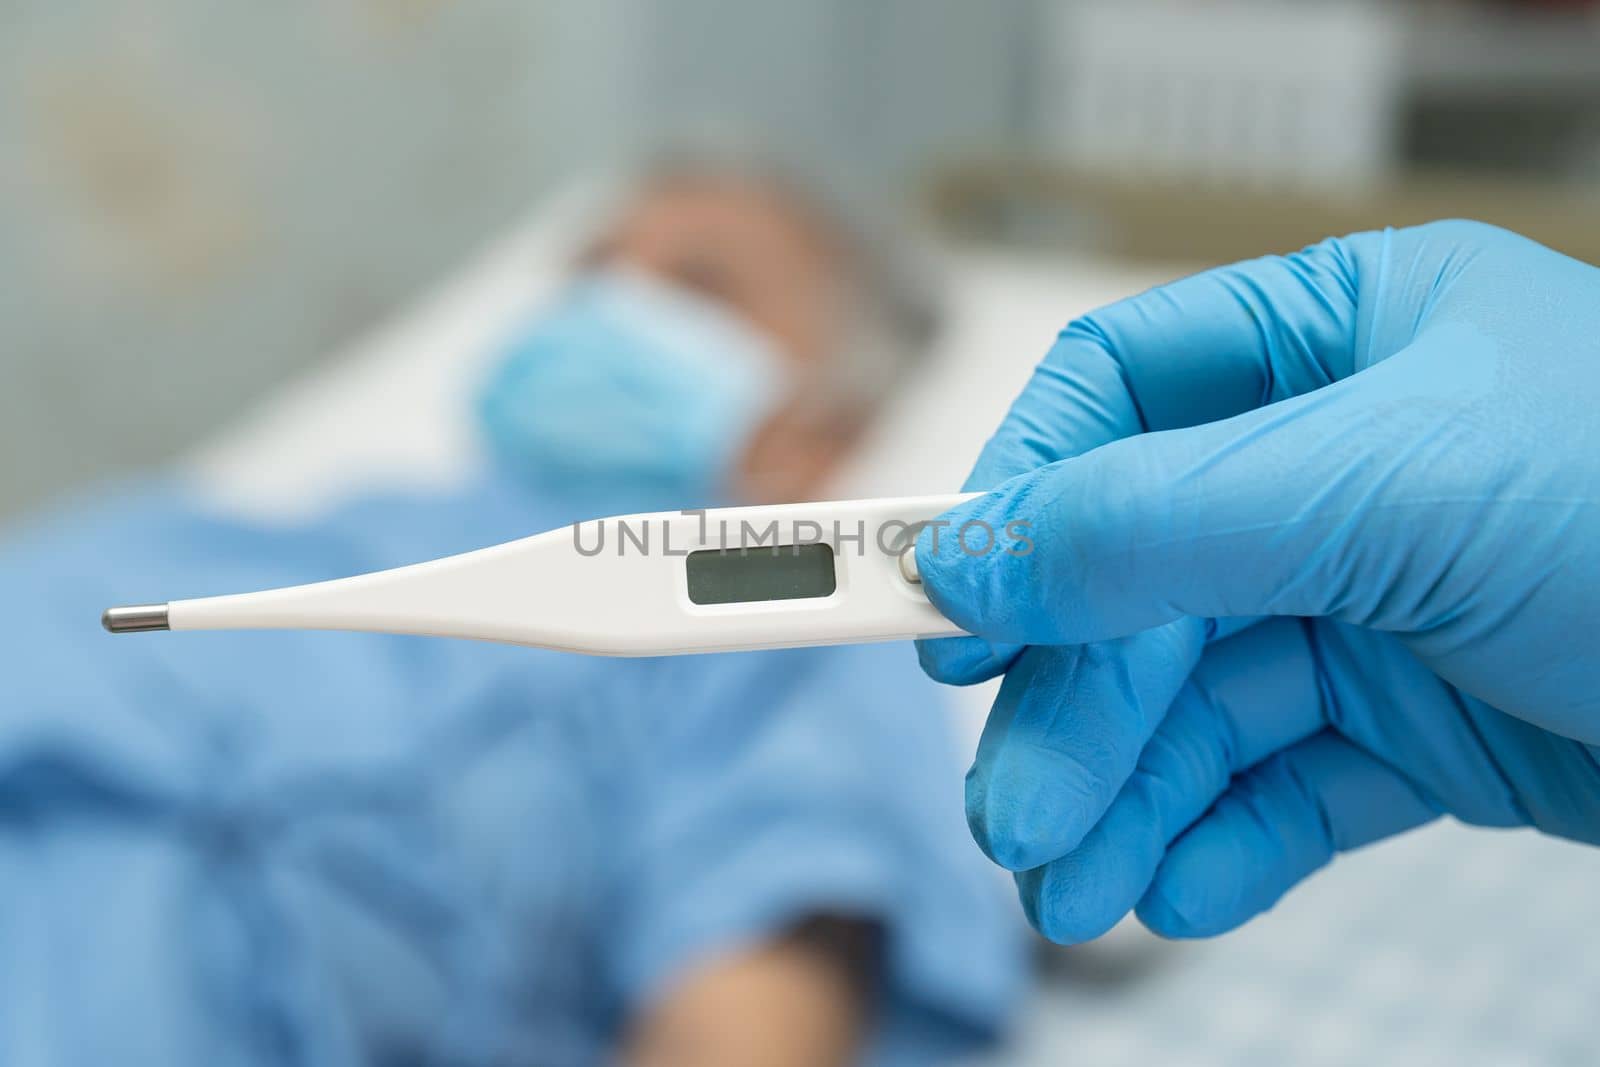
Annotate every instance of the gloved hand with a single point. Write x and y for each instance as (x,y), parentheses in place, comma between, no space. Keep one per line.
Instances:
(1316,559)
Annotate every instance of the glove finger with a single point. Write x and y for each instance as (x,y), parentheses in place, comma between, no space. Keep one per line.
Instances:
(1250,696)
(1064,735)
(964,660)
(1197,350)
(1278,823)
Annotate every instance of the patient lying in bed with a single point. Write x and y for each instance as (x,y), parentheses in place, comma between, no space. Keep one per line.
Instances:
(332,848)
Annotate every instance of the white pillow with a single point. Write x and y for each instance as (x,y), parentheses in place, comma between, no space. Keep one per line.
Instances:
(394,410)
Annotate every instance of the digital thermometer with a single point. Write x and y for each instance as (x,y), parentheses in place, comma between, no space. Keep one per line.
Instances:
(712,580)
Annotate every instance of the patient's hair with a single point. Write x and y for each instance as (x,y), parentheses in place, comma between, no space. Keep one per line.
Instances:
(893,304)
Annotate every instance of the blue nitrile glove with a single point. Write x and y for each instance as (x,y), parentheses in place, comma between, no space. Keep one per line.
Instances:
(1389,446)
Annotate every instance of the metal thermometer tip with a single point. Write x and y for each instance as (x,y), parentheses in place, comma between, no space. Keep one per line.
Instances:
(138,619)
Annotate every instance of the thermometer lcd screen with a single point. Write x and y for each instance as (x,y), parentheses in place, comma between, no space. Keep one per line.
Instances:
(751,576)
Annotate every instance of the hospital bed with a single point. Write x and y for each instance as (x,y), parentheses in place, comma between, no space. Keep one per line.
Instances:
(1447,946)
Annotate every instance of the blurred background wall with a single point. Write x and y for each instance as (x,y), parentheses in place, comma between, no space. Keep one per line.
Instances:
(197,199)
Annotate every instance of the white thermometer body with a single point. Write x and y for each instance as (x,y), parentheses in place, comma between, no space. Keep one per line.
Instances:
(713,580)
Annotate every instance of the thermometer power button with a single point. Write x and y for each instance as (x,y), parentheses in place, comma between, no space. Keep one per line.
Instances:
(908,565)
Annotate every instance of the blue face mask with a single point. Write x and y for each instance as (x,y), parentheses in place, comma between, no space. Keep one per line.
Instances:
(629,389)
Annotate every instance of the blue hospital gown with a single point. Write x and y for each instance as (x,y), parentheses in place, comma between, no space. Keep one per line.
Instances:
(314,848)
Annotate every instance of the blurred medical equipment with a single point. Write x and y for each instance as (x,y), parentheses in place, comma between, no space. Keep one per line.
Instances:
(1225,93)
(1214,132)
(1388,443)
(705,580)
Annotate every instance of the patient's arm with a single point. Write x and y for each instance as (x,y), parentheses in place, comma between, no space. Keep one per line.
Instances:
(801,1000)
